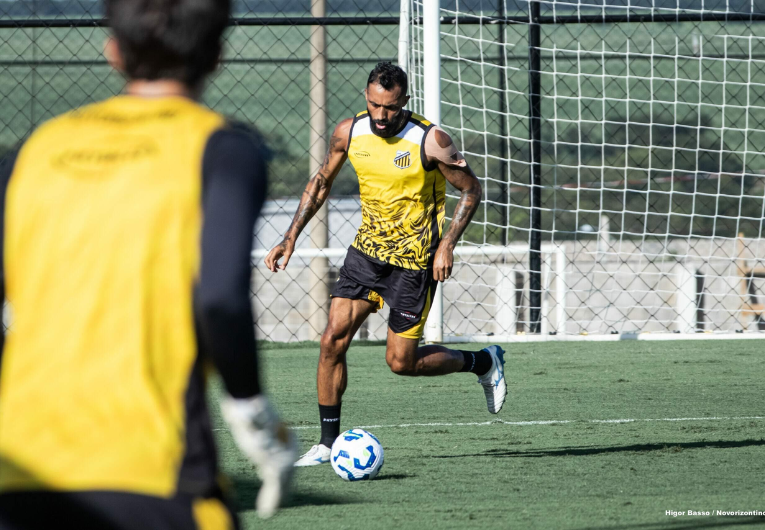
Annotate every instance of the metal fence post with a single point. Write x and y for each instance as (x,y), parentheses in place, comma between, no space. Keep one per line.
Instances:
(319,229)
(535,170)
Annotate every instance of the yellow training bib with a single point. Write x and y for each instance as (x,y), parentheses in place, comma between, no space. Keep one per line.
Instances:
(102,226)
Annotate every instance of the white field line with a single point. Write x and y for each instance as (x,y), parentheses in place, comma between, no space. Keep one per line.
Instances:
(531,423)
(539,422)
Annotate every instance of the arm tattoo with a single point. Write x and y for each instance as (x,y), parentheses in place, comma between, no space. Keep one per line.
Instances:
(470,198)
(312,199)
(316,191)
(334,143)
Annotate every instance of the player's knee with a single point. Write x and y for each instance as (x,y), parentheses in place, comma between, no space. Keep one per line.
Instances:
(333,344)
(401,365)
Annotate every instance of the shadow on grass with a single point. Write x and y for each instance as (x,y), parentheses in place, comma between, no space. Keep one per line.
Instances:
(687,524)
(668,447)
(393,476)
(247,490)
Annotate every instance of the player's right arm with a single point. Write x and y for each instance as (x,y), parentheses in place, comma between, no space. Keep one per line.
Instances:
(316,192)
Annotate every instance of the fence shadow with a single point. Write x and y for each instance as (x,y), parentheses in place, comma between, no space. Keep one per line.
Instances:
(678,524)
(635,448)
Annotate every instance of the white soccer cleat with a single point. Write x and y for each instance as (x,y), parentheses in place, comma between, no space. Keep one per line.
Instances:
(268,443)
(493,381)
(318,454)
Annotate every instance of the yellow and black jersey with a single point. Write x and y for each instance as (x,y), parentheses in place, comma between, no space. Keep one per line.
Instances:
(402,196)
(126,239)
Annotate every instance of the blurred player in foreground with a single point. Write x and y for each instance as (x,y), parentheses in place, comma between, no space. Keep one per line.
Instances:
(399,254)
(127,232)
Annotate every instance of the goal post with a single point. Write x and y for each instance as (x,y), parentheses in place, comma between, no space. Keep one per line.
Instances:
(431,83)
(622,154)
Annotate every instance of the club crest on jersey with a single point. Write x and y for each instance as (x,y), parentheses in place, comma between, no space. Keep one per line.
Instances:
(403,159)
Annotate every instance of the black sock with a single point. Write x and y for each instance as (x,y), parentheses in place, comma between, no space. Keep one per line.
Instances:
(330,423)
(477,362)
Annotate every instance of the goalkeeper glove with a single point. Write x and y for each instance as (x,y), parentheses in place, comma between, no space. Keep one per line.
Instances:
(266,442)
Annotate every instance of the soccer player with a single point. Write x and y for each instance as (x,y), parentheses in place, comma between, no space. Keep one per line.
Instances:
(399,253)
(126,238)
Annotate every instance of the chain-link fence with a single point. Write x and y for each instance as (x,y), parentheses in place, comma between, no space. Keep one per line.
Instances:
(51,60)
(649,153)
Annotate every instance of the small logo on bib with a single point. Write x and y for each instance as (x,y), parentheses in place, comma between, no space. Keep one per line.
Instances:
(403,159)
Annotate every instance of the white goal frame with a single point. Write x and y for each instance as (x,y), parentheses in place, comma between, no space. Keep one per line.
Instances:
(553,256)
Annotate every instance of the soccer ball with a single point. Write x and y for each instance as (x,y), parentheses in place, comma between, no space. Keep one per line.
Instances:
(356,455)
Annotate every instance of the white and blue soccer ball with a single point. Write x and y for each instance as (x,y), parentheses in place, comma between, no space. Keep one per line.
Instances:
(356,455)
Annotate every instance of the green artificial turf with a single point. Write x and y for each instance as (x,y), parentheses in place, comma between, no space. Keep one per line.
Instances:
(577,471)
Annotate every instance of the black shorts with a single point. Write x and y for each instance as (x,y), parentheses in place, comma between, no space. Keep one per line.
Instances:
(112,510)
(409,293)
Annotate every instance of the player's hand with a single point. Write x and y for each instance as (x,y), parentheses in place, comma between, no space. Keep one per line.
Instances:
(282,250)
(443,263)
(267,443)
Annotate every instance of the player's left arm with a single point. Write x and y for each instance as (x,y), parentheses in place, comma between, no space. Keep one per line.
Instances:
(440,148)
(234,187)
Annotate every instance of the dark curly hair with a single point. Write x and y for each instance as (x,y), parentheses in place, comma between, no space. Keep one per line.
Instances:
(388,75)
(169,39)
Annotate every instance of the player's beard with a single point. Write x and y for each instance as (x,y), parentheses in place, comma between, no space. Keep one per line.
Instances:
(392,127)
